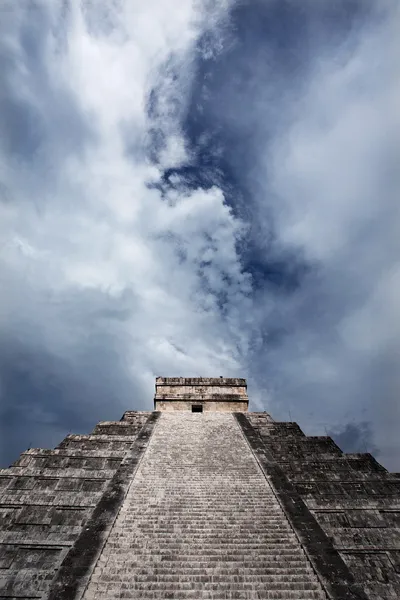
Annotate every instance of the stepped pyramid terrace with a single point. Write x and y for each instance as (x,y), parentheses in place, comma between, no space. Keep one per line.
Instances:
(199,499)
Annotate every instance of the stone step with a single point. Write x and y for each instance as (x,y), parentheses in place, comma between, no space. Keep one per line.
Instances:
(219,586)
(215,560)
(160,515)
(221,541)
(185,513)
(204,565)
(178,594)
(228,534)
(209,526)
(187,507)
(197,568)
(269,581)
(265,549)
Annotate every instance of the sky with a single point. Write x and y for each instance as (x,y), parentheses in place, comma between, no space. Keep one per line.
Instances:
(194,188)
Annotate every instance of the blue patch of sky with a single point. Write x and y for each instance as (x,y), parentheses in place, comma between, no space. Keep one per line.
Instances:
(269,46)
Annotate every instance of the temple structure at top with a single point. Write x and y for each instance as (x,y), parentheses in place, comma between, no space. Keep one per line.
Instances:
(201,394)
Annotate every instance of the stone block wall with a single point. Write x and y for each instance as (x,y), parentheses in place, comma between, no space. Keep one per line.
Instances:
(208,405)
(47,497)
(353,498)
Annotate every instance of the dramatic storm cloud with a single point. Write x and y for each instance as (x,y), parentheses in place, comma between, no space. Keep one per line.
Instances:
(199,188)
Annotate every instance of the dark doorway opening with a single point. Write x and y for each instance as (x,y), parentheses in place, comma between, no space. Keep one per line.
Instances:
(197,408)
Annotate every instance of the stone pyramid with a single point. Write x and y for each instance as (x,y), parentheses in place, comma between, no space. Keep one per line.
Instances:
(198,499)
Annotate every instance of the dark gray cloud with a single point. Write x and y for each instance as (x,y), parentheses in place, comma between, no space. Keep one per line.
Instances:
(50,387)
(355,437)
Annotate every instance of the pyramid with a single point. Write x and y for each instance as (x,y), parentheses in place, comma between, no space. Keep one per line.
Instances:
(198,499)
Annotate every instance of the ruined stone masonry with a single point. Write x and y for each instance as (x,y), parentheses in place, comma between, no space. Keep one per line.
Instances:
(199,499)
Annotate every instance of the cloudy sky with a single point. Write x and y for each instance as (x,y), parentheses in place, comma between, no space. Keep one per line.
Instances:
(194,188)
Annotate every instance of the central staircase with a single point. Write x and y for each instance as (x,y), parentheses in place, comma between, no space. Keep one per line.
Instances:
(201,521)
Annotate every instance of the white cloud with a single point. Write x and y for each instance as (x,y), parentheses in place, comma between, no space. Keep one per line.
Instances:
(85,234)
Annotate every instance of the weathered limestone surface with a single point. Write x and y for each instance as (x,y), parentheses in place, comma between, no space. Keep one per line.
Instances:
(195,382)
(211,505)
(208,405)
(47,497)
(201,521)
(214,394)
(353,498)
